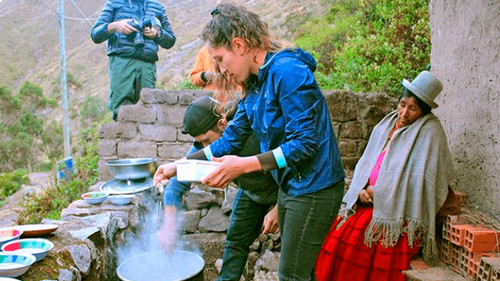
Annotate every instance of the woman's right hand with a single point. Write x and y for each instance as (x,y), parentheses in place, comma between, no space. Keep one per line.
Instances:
(163,173)
(366,196)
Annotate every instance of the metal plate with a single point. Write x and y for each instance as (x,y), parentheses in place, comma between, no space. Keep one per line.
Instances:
(127,186)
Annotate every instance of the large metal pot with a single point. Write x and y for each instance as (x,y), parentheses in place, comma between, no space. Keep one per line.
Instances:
(131,168)
(158,266)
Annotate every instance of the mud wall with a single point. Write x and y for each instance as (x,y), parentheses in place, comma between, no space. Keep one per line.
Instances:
(465,38)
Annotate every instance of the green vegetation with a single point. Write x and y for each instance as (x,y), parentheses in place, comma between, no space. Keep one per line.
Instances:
(93,110)
(24,136)
(30,142)
(52,201)
(11,182)
(368,46)
(186,84)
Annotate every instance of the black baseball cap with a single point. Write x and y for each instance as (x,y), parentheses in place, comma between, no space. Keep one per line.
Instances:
(201,115)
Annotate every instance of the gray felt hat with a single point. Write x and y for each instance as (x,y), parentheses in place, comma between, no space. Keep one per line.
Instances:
(426,87)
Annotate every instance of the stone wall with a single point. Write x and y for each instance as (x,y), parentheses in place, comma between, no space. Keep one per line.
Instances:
(465,37)
(152,127)
(87,239)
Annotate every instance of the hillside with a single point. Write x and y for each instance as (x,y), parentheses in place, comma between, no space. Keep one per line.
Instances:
(30,42)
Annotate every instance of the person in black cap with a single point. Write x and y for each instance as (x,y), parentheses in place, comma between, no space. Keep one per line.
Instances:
(257,194)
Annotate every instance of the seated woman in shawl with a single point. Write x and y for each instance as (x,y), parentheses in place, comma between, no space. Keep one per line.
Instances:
(398,186)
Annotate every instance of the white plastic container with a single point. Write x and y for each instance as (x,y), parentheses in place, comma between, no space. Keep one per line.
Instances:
(194,170)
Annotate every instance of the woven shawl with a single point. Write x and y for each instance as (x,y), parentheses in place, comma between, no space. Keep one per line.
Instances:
(412,184)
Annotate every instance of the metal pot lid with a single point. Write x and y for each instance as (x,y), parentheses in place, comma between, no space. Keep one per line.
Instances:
(127,186)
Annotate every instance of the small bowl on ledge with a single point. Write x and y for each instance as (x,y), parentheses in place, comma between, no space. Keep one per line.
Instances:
(38,247)
(120,199)
(94,198)
(15,264)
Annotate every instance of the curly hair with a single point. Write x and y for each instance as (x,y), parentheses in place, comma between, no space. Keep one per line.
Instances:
(230,21)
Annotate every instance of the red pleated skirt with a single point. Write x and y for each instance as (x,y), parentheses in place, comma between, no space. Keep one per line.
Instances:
(344,256)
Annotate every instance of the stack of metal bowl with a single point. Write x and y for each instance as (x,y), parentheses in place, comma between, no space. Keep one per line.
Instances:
(131,175)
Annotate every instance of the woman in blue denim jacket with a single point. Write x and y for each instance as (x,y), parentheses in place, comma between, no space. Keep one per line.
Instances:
(283,105)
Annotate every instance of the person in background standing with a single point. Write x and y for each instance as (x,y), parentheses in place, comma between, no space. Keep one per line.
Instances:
(203,72)
(133,30)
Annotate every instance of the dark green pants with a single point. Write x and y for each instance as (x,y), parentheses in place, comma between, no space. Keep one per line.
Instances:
(127,78)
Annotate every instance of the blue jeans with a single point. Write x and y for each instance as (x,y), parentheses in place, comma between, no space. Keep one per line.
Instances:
(304,222)
(244,227)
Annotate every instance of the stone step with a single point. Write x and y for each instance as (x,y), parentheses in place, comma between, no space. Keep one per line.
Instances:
(434,274)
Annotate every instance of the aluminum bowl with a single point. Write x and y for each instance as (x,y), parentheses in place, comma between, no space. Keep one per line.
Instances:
(156,265)
(131,168)
(38,247)
(120,199)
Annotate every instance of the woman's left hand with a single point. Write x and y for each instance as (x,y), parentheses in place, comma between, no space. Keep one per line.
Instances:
(366,195)
(230,168)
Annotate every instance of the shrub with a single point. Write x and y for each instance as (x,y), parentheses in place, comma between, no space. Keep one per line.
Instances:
(186,84)
(25,140)
(11,182)
(52,201)
(369,46)
(93,110)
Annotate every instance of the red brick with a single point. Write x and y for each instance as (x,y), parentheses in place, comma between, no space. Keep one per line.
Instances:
(480,240)
(458,232)
(454,255)
(474,262)
(444,251)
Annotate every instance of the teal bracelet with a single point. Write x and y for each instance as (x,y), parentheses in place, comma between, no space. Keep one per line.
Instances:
(208,153)
(279,157)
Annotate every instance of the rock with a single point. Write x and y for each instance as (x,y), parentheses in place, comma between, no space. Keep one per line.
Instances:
(198,198)
(267,245)
(189,220)
(65,275)
(229,195)
(274,236)
(81,256)
(269,261)
(215,221)
(262,237)
(8,218)
(91,233)
(255,245)
(211,245)
(218,264)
